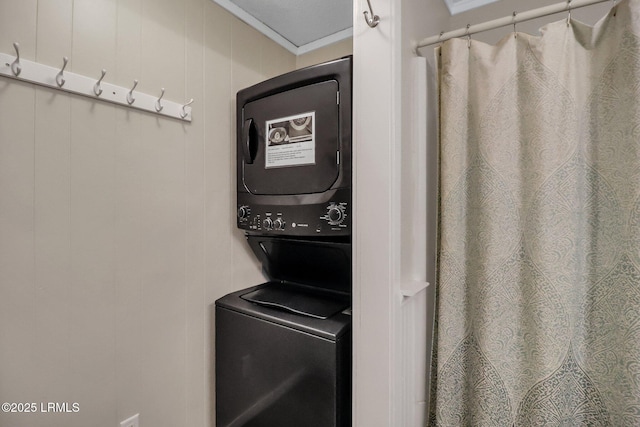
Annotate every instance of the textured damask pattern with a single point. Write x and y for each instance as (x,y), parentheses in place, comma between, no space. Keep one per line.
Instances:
(612,115)
(520,323)
(607,340)
(483,401)
(566,398)
(574,229)
(512,145)
(538,319)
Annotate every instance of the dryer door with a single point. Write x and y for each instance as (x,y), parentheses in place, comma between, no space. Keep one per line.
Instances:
(289,142)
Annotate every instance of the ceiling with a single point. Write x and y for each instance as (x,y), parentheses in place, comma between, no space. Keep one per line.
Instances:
(457,6)
(301,26)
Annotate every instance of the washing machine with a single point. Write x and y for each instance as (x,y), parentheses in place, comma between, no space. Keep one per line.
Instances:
(283,358)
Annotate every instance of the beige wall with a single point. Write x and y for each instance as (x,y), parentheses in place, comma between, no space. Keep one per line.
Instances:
(117,228)
(327,53)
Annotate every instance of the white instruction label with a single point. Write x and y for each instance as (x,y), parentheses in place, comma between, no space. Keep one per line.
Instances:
(291,141)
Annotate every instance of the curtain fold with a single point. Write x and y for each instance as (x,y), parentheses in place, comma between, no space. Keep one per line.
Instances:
(538,293)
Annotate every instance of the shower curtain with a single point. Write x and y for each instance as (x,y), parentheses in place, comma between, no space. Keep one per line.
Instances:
(538,293)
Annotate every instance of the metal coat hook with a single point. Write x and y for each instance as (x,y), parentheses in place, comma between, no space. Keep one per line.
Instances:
(16,68)
(96,87)
(374,19)
(184,112)
(158,105)
(130,98)
(468,36)
(569,16)
(515,33)
(60,76)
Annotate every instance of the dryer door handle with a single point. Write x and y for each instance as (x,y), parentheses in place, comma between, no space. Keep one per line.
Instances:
(248,145)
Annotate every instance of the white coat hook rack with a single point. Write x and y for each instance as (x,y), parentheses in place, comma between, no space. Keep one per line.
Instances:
(15,67)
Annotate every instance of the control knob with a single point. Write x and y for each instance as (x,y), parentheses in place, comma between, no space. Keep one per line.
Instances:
(278,224)
(335,215)
(243,212)
(267,224)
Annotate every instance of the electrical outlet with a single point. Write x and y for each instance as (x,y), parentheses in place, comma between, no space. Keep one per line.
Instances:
(131,422)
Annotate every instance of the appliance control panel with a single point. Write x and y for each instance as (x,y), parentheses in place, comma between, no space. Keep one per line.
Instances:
(325,219)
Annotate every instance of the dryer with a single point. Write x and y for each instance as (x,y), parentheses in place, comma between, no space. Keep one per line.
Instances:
(294,153)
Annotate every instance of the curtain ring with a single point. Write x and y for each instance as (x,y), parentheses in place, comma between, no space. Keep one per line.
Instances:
(515,34)
(468,36)
(569,16)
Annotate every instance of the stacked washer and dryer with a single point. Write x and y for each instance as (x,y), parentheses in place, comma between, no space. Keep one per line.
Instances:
(283,348)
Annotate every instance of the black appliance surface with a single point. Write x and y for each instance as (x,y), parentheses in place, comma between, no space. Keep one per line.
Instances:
(305,302)
(294,153)
(320,264)
(278,368)
(270,172)
(283,348)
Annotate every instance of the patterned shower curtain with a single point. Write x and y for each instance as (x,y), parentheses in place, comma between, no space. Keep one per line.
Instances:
(538,294)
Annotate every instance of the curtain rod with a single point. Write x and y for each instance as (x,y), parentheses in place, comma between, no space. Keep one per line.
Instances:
(508,20)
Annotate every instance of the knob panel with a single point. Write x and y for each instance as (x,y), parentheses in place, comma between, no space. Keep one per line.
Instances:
(325,218)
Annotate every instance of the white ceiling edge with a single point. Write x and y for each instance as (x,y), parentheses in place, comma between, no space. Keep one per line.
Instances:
(459,6)
(273,35)
(326,41)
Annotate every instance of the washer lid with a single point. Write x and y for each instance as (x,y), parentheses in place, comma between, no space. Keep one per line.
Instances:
(332,328)
(296,300)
